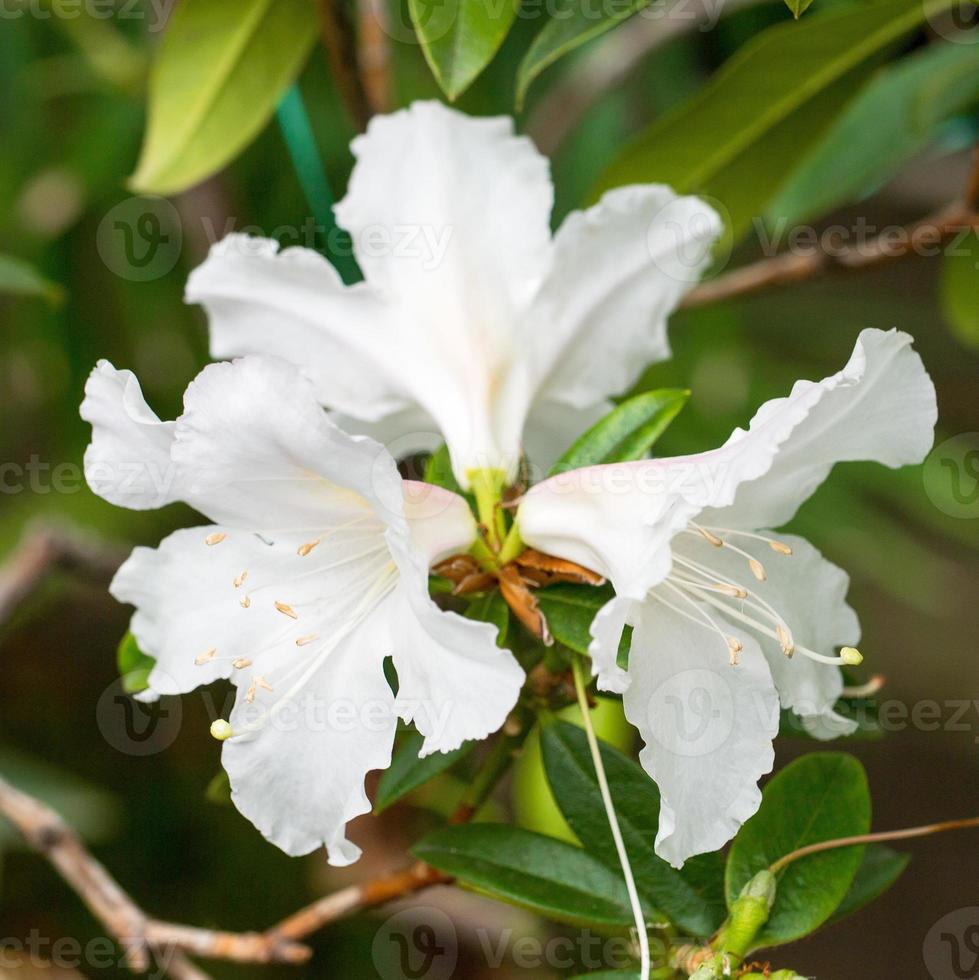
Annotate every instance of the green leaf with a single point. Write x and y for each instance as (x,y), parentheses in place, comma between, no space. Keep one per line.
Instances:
(572,24)
(570,610)
(819,797)
(881,867)
(741,135)
(628,432)
(894,117)
(20,278)
(798,7)
(134,665)
(460,37)
(438,470)
(217,78)
(492,608)
(960,289)
(522,868)
(407,772)
(219,789)
(699,909)
(609,975)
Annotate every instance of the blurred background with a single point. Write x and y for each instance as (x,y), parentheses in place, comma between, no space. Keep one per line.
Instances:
(113,267)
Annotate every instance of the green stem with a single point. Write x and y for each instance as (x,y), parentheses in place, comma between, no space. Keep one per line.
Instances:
(581,687)
(487,488)
(301,143)
(512,545)
(492,770)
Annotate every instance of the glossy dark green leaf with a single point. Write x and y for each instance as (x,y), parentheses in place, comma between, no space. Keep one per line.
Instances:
(880,869)
(960,288)
(572,24)
(819,797)
(694,904)
(492,608)
(216,81)
(740,136)
(20,278)
(407,772)
(460,37)
(628,432)
(894,117)
(548,876)
(134,665)
(570,610)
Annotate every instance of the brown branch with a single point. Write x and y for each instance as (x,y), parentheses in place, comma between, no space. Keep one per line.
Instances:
(45,549)
(374,53)
(792,267)
(138,934)
(340,43)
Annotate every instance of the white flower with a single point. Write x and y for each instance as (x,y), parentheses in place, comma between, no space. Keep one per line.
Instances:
(725,615)
(472,317)
(314,571)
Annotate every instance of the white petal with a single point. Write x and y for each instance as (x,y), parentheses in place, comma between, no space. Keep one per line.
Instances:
(708,729)
(292,304)
(439,521)
(606,630)
(298,775)
(128,461)
(461,257)
(259,452)
(211,593)
(880,407)
(454,682)
(620,269)
(810,594)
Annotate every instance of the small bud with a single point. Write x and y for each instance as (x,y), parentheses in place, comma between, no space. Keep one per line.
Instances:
(851,656)
(761,886)
(221,730)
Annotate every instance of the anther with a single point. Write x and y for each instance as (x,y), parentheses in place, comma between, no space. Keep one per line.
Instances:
(286,609)
(784,640)
(757,569)
(208,655)
(221,730)
(245,601)
(241,663)
(780,547)
(305,549)
(735,591)
(240,580)
(735,646)
(851,656)
(712,538)
(216,538)
(306,640)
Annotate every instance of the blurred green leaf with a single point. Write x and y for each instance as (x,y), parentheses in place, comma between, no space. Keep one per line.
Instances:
(217,78)
(891,119)
(628,432)
(798,7)
(522,868)
(438,470)
(407,772)
(492,608)
(20,278)
(572,24)
(960,288)
(742,134)
(819,797)
(460,37)
(881,867)
(134,665)
(219,789)
(572,778)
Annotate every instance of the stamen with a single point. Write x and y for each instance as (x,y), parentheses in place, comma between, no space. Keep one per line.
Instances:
(240,580)
(245,601)
(240,663)
(712,538)
(250,693)
(216,538)
(306,640)
(851,656)
(205,657)
(286,609)
(779,546)
(735,646)
(263,683)
(757,569)
(221,730)
(711,623)
(305,549)
(785,640)
(868,690)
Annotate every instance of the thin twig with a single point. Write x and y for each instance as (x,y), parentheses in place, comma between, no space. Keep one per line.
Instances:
(137,933)
(374,53)
(47,548)
(887,835)
(340,43)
